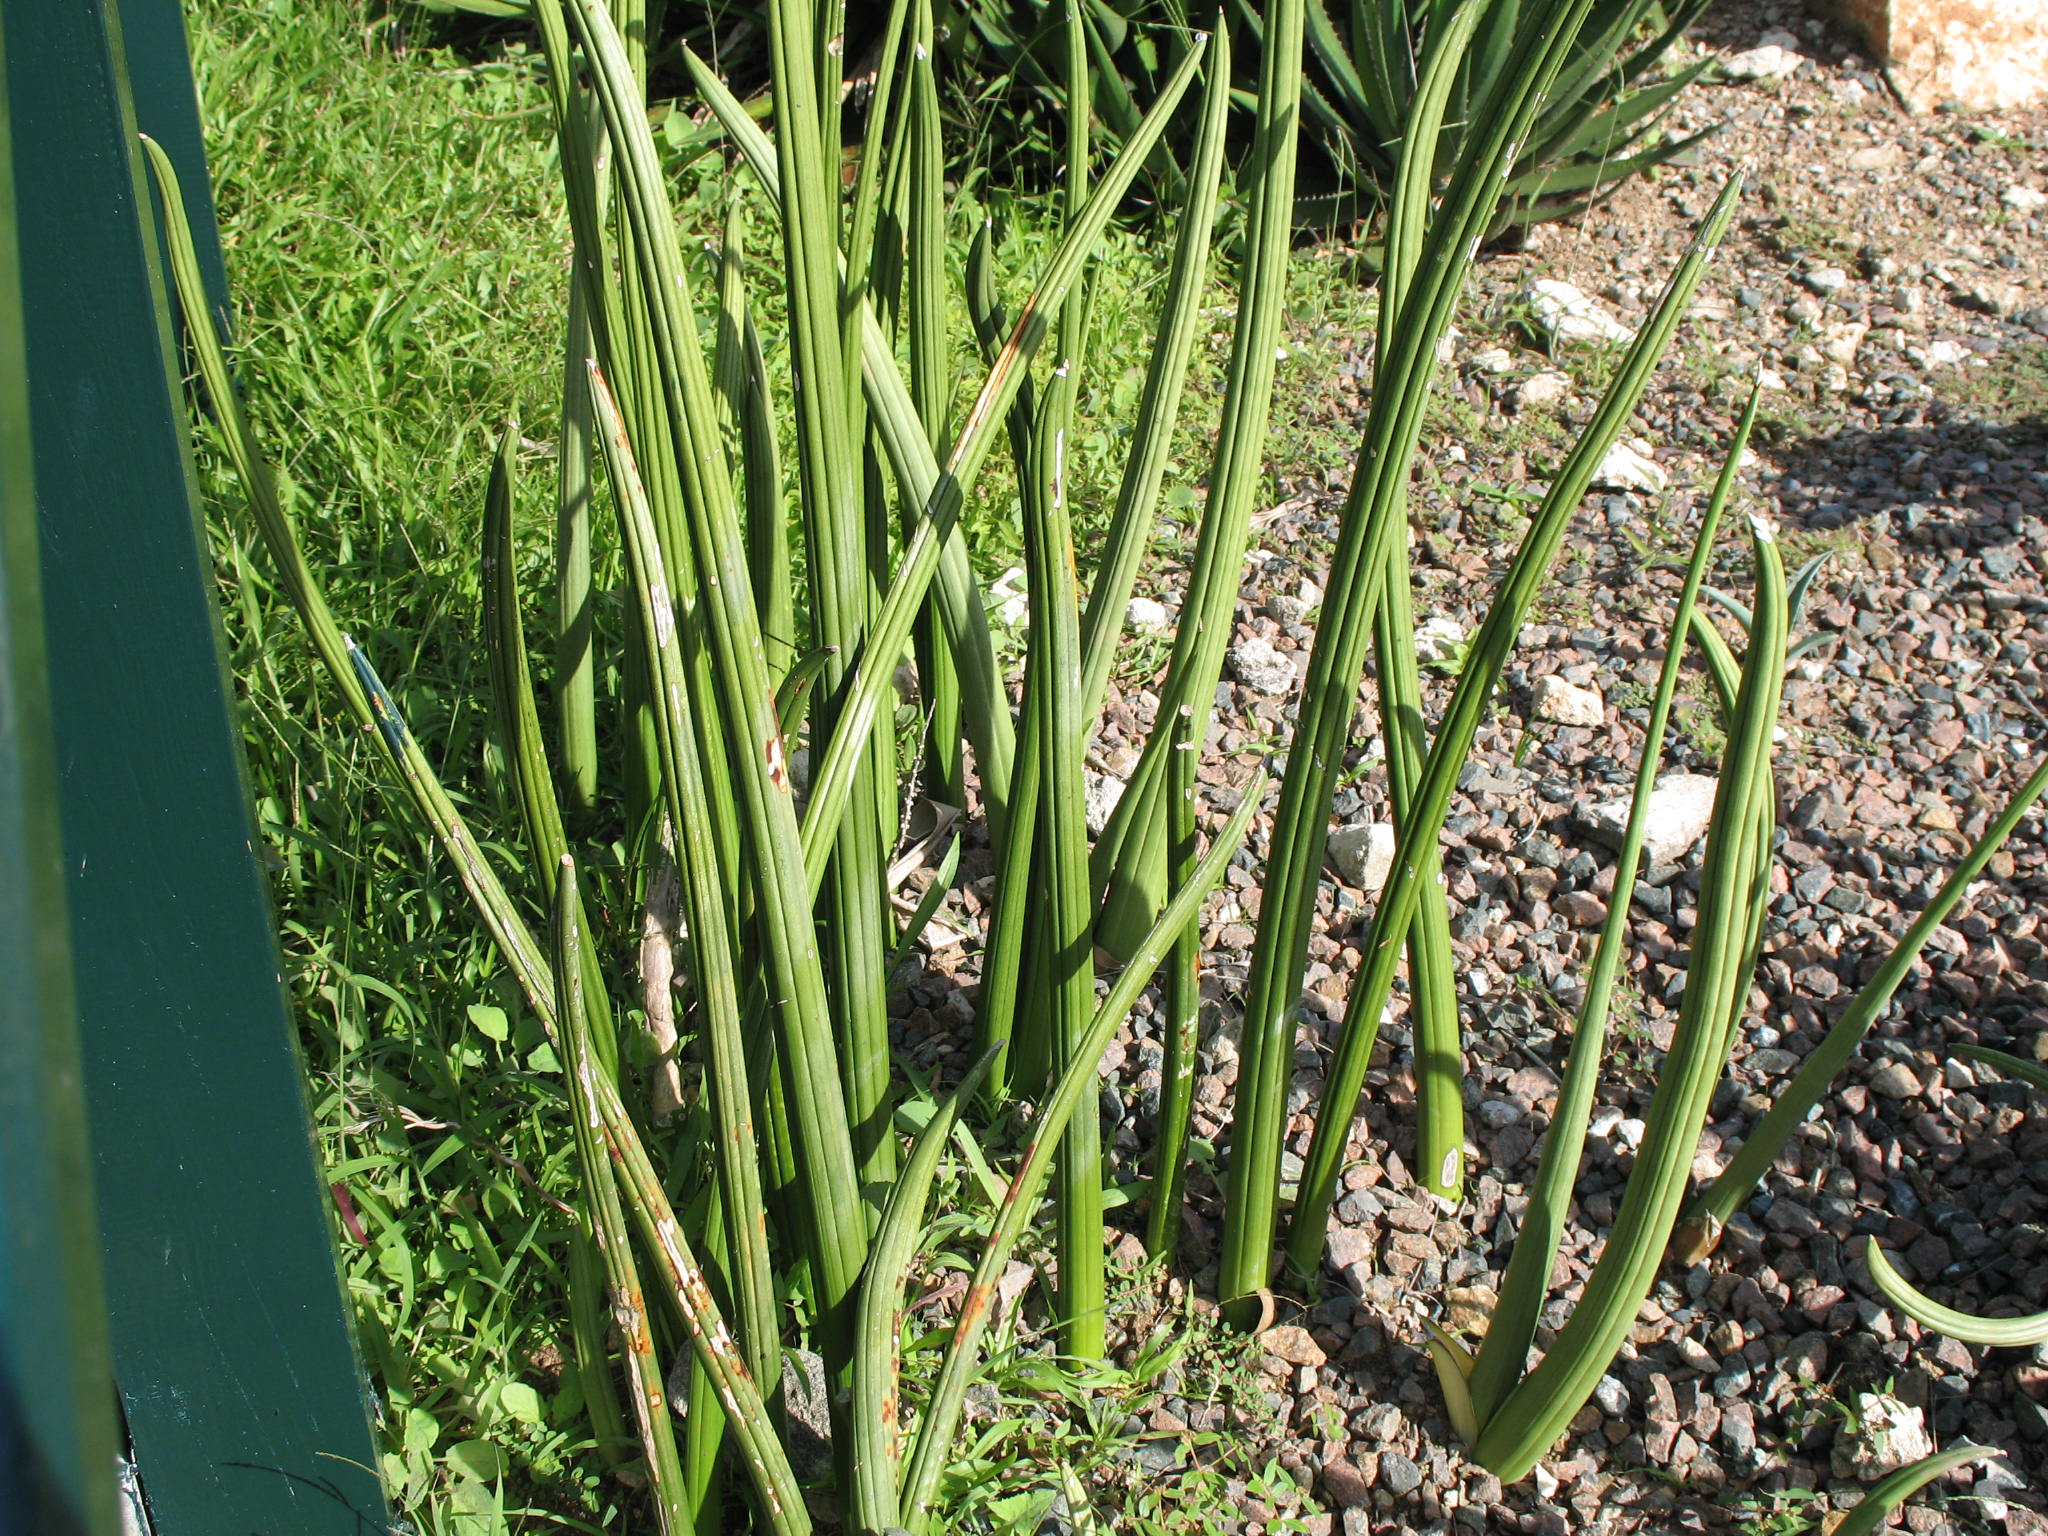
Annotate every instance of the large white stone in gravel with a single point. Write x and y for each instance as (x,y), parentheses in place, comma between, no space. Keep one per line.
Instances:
(1260,667)
(1773,59)
(1566,703)
(1839,343)
(1099,794)
(1680,807)
(1940,354)
(2023,199)
(1146,613)
(1626,467)
(1569,314)
(1883,1436)
(1547,387)
(1363,855)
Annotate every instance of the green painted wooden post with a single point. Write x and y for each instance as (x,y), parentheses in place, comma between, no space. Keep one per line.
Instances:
(57,1441)
(245,1401)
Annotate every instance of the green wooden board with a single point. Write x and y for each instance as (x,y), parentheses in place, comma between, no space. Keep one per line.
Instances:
(244,1398)
(56,1381)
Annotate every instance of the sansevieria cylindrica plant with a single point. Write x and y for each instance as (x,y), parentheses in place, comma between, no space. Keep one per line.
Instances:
(767,458)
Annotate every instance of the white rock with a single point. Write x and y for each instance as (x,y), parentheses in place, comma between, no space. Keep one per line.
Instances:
(1628,467)
(1008,600)
(1764,65)
(1494,360)
(1548,387)
(1261,668)
(1768,379)
(1825,280)
(1311,593)
(1146,613)
(1438,639)
(1884,1435)
(1680,807)
(1568,314)
(1286,610)
(1565,704)
(1099,794)
(2022,199)
(1839,343)
(1940,354)
(1362,854)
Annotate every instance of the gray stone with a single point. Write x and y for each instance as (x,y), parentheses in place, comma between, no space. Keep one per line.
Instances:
(1286,610)
(1883,1435)
(2001,299)
(1765,64)
(1547,387)
(1399,1475)
(1438,639)
(1497,1114)
(1380,1423)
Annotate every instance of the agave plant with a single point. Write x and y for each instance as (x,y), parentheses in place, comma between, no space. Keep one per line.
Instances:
(1600,122)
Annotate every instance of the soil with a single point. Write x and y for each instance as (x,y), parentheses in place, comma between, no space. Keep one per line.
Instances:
(1886,278)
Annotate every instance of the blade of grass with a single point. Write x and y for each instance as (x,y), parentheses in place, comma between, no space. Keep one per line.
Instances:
(1130,526)
(939,491)
(1301,827)
(575,665)
(1129,863)
(1067,981)
(837,1226)
(371,703)
(518,722)
(837,562)
(686,796)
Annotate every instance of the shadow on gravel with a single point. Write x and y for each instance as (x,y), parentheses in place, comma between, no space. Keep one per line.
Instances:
(1953,480)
